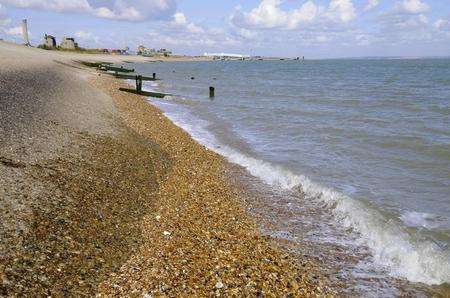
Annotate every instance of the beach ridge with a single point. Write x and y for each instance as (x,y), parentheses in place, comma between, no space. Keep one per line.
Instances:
(102,194)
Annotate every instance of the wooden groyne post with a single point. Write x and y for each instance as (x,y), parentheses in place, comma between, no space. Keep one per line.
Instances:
(139,83)
(212,92)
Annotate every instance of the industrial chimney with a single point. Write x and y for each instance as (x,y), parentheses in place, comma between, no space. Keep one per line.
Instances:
(25,32)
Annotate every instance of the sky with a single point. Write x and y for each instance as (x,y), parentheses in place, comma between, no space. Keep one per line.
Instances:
(282,28)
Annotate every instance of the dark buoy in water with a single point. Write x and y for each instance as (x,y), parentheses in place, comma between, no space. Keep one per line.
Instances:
(212,92)
(214,78)
(192,78)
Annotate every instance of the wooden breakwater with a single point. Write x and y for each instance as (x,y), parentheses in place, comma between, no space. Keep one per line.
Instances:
(133,77)
(128,74)
(139,90)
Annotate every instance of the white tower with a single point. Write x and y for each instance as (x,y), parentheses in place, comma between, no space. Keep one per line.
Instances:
(25,32)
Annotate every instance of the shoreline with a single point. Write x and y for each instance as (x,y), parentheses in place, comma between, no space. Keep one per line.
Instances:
(270,210)
(211,167)
(103,194)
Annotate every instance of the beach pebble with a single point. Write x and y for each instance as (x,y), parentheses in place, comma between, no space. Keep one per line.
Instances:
(158,217)
(219,285)
(167,233)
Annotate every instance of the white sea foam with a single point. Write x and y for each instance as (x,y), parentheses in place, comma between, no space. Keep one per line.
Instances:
(420,219)
(392,247)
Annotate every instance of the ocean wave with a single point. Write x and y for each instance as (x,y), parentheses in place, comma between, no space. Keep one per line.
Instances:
(391,246)
(421,219)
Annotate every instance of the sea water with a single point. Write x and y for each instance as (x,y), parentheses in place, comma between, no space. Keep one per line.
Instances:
(366,141)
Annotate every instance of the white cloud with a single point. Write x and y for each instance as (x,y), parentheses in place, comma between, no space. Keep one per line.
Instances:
(210,39)
(371,4)
(246,34)
(322,39)
(392,22)
(423,19)
(180,22)
(363,39)
(179,18)
(441,24)
(83,34)
(405,22)
(127,10)
(306,13)
(15,31)
(398,28)
(180,33)
(192,28)
(4,20)
(343,10)
(269,15)
(412,6)
(87,36)
(55,5)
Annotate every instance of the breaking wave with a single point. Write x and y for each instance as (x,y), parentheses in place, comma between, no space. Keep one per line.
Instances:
(391,245)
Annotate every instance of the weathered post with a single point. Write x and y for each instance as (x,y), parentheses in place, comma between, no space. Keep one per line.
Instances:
(211,92)
(154,76)
(25,32)
(139,83)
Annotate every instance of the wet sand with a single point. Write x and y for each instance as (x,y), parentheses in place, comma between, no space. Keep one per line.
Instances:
(101,194)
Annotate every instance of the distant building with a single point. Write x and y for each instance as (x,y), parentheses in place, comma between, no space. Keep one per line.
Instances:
(164,52)
(120,51)
(141,50)
(49,41)
(149,53)
(225,56)
(68,43)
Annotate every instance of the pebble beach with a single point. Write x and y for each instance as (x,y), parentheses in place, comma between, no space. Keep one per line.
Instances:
(102,195)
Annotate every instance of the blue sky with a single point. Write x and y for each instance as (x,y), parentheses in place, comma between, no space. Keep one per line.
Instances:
(313,28)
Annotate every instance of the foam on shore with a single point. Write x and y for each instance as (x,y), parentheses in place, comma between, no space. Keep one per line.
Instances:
(392,247)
